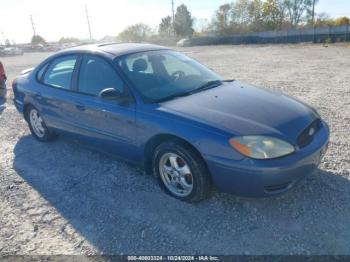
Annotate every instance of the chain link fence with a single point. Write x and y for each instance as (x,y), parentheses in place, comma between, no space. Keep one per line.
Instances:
(316,35)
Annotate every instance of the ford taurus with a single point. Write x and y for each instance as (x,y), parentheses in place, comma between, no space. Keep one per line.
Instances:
(182,122)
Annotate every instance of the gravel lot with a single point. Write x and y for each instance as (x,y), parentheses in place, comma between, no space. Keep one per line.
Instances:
(62,198)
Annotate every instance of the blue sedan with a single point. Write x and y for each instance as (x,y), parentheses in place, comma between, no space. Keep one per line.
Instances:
(168,113)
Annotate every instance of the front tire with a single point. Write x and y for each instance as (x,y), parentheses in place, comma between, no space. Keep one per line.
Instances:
(37,125)
(181,172)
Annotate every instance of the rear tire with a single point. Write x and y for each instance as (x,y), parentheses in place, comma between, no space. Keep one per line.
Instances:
(181,172)
(37,125)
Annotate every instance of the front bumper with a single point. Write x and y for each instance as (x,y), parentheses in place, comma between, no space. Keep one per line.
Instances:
(262,178)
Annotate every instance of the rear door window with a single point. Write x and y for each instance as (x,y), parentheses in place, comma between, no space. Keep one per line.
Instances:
(60,72)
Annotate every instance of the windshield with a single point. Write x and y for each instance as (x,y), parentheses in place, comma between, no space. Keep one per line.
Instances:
(164,74)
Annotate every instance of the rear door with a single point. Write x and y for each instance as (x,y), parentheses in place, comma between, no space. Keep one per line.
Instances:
(108,124)
(55,96)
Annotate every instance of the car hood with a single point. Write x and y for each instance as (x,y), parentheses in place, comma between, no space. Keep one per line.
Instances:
(242,109)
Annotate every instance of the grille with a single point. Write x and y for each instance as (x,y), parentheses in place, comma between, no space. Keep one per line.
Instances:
(308,133)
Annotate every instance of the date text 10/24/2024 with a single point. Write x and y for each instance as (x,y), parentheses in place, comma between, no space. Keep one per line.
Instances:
(173,258)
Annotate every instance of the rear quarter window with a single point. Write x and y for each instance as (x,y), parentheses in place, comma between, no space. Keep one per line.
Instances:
(60,72)
(41,72)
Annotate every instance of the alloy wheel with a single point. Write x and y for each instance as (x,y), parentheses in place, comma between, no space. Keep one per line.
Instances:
(37,123)
(176,174)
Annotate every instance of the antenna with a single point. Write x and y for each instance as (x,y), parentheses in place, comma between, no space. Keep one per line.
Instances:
(88,21)
(33,26)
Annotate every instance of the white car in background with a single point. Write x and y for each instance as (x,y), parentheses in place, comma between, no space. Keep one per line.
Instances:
(184,42)
(11,51)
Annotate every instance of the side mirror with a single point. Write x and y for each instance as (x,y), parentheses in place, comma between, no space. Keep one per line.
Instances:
(110,94)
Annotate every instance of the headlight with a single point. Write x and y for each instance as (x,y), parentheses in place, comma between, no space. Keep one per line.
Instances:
(261,147)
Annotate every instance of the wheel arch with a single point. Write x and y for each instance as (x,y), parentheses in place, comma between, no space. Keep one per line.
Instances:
(26,106)
(156,140)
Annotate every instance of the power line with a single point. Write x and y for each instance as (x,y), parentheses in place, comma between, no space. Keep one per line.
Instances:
(88,21)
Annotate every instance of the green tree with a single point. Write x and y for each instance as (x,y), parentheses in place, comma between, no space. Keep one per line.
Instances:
(323,19)
(138,33)
(37,39)
(243,16)
(342,21)
(246,16)
(255,16)
(166,26)
(222,19)
(308,16)
(249,16)
(274,14)
(240,16)
(183,22)
(298,10)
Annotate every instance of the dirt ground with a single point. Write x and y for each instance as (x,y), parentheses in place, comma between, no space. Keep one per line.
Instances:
(62,198)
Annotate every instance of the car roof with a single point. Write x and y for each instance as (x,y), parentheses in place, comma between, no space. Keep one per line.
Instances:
(115,49)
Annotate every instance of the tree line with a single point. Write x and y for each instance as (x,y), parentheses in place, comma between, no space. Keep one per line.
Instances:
(241,16)
(246,16)
(182,26)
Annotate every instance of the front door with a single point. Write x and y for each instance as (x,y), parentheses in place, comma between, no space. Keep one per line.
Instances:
(108,124)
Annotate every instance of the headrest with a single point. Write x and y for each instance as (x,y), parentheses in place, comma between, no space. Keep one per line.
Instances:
(139,65)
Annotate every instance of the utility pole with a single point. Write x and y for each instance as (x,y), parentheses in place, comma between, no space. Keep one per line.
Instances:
(33,26)
(88,21)
(3,37)
(173,11)
(313,11)
(313,19)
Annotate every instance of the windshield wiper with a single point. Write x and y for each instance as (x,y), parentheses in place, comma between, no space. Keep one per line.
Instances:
(173,97)
(210,84)
(206,86)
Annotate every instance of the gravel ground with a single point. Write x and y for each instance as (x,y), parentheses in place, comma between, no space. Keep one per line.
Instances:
(62,198)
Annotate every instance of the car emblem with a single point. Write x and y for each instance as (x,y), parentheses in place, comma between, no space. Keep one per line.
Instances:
(311,131)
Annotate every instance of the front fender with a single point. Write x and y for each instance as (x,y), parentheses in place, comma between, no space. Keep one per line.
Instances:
(208,141)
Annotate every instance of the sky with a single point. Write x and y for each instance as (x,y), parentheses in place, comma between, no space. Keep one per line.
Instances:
(54,19)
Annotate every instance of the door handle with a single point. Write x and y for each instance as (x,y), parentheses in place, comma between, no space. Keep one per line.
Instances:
(80,107)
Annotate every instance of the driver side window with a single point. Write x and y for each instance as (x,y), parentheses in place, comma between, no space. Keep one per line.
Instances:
(96,75)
